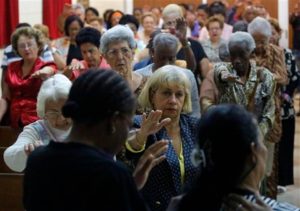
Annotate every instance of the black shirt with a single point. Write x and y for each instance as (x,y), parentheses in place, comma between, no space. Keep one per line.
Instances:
(73,176)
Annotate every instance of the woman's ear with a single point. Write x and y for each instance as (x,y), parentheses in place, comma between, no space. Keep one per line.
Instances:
(111,124)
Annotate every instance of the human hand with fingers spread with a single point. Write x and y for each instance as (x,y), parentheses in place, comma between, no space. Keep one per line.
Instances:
(153,123)
(150,125)
(28,148)
(154,155)
(181,29)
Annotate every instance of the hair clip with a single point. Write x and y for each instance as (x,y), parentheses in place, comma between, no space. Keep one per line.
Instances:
(198,157)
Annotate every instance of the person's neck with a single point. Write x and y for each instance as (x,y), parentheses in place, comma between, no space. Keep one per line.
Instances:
(215,42)
(29,63)
(251,182)
(90,138)
(245,75)
(173,126)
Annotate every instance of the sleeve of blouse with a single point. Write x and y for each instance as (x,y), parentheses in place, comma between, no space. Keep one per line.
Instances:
(14,156)
(268,113)
(280,71)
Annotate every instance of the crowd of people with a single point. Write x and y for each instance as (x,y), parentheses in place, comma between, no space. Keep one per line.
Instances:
(174,108)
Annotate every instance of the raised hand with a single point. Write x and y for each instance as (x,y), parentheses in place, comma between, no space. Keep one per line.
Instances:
(153,123)
(151,157)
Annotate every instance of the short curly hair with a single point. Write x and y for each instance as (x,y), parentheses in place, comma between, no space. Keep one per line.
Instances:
(28,32)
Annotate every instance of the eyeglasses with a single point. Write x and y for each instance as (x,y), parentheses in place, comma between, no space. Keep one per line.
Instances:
(26,45)
(113,53)
(54,115)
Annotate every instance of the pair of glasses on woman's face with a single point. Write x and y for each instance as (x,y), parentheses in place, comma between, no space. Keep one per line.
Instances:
(27,45)
(113,53)
(53,115)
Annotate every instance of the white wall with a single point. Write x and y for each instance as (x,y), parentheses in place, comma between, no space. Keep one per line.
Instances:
(102,5)
(283,18)
(30,11)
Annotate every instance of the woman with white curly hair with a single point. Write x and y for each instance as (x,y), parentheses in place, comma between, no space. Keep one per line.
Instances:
(51,126)
(271,57)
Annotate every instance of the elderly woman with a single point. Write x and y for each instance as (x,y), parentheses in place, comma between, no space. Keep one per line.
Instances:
(67,44)
(117,46)
(167,94)
(148,23)
(88,40)
(232,163)
(190,50)
(271,57)
(82,174)
(52,125)
(23,78)
(163,49)
(211,46)
(286,145)
(251,87)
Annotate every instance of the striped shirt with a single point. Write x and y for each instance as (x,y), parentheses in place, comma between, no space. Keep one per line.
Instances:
(275,205)
(10,56)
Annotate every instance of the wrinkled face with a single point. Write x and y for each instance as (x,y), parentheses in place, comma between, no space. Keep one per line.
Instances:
(54,116)
(274,39)
(90,54)
(170,22)
(73,30)
(120,57)
(240,58)
(261,42)
(169,98)
(27,48)
(215,31)
(163,56)
(149,24)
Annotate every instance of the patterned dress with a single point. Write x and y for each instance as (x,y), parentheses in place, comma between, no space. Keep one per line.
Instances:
(257,94)
(273,59)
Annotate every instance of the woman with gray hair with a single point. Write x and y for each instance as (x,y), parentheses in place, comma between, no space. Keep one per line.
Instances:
(51,126)
(167,95)
(163,49)
(117,46)
(242,82)
(271,57)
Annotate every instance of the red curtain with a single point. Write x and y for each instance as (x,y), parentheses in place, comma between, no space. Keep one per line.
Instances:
(9,18)
(51,10)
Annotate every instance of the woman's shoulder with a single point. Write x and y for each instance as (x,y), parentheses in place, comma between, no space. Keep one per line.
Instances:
(189,120)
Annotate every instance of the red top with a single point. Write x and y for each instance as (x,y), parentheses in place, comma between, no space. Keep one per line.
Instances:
(23,92)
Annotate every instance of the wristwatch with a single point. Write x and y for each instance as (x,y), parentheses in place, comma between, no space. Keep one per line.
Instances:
(187,45)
